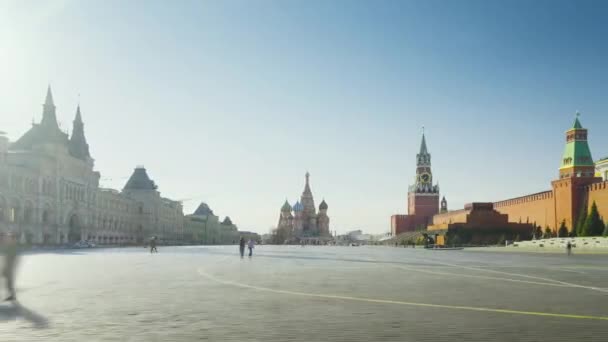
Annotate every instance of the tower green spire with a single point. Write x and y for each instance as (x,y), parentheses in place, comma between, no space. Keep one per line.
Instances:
(577,124)
(577,154)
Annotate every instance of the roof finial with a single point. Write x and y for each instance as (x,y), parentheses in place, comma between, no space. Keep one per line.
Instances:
(422,129)
(49,96)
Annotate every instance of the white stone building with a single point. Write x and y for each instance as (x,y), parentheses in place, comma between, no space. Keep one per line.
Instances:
(50,194)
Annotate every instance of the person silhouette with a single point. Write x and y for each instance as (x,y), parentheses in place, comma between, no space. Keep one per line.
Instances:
(9,249)
(242,246)
(251,245)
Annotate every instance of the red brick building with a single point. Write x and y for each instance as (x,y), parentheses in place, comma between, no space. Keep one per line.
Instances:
(577,187)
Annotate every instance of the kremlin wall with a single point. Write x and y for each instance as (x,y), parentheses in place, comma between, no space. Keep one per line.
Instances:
(581,182)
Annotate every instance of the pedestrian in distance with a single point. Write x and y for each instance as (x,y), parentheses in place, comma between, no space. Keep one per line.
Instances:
(9,249)
(242,246)
(569,248)
(153,245)
(251,246)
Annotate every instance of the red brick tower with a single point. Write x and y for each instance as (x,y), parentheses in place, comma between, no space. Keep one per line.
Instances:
(423,196)
(577,170)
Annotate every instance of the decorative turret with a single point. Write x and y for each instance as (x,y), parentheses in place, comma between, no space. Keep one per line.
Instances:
(444,205)
(44,133)
(577,160)
(78,143)
(49,117)
(140,180)
(298,207)
(203,210)
(323,205)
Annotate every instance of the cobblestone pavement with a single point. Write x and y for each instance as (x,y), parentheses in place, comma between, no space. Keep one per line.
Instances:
(290,293)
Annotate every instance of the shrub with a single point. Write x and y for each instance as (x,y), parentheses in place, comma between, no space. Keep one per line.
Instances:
(563,230)
(593,226)
(580,222)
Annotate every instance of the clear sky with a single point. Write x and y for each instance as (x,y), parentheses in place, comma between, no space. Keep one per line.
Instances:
(231,102)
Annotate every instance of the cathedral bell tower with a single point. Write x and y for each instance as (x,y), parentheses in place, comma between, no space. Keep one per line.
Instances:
(423,196)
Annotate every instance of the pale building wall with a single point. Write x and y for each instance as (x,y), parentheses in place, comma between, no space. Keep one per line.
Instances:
(43,191)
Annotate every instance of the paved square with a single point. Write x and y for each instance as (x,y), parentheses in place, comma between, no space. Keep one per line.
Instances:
(290,293)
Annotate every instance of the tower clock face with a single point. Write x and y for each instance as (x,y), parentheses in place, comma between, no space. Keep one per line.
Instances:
(425,177)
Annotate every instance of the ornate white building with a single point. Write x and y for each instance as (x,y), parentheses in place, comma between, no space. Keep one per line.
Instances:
(302,220)
(50,194)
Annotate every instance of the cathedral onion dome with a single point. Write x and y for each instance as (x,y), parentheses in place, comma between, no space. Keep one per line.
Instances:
(298,207)
(323,205)
(140,180)
(203,210)
(286,206)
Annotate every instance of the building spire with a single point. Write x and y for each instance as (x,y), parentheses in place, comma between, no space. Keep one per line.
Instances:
(307,185)
(577,124)
(423,149)
(78,143)
(49,97)
(78,115)
(49,117)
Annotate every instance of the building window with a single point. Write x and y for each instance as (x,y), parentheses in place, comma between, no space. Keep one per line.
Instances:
(12,215)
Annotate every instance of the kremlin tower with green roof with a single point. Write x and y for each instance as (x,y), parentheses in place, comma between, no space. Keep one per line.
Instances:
(577,160)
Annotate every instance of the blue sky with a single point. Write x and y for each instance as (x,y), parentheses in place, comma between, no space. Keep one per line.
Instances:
(231,102)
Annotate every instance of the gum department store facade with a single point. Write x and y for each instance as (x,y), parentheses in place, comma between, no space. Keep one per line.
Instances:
(50,194)
(580,183)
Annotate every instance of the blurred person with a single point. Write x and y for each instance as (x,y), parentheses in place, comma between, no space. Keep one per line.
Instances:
(153,245)
(569,248)
(9,249)
(251,246)
(242,246)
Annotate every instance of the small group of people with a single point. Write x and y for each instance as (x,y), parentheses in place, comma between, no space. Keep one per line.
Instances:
(8,248)
(250,245)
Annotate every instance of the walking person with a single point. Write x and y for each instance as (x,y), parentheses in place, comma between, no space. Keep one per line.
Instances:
(9,249)
(251,245)
(569,248)
(242,246)
(153,245)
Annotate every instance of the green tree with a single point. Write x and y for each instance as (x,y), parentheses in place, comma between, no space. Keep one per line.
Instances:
(580,222)
(563,230)
(539,232)
(594,226)
(548,234)
(421,240)
(606,230)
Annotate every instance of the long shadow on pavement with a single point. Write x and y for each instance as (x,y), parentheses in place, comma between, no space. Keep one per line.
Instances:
(15,310)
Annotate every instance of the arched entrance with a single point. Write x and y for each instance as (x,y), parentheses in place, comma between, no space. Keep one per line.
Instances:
(74,234)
